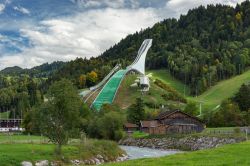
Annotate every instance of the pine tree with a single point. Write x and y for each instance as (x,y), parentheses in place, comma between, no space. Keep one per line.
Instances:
(243,97)
(136,112)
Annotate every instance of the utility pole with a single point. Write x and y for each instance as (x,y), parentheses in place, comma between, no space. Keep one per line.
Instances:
(246,133)
(200,108)
(185,86)
(210,79)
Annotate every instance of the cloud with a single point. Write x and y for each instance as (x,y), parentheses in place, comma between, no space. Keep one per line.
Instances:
(98,3)
(86,34)
(178,7)
(2,7)
(90,32)
(21,9)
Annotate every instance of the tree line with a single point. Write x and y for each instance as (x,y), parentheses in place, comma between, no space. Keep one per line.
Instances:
(19,94)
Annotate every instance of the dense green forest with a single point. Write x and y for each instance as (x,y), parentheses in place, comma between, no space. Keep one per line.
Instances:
(20,89)
(205,46)
(19,94)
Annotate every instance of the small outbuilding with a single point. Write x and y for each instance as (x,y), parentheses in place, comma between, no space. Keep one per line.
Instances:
(130,127)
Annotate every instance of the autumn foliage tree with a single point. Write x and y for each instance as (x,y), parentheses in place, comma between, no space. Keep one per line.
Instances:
(92,78)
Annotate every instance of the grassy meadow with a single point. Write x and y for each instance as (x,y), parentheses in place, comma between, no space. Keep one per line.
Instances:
(4,115)
(227,155)
(17,148)
(127,95)
(213,96)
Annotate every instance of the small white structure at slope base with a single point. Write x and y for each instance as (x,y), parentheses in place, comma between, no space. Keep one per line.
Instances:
(144,83)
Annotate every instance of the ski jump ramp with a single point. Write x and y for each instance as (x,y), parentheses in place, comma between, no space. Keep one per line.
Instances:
(109,90)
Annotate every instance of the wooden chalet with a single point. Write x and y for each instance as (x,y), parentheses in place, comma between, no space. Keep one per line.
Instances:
(177,121)
(174,121)
(152,127)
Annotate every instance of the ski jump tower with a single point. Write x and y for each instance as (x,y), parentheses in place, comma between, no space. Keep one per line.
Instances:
(110,88)
(139,63)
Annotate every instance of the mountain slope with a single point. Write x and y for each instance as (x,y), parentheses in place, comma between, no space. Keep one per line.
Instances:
(214,95)
(200,49)
(11,70)
(43,70)
(223,90)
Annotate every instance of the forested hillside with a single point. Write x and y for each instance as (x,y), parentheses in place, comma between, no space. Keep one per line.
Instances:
(43,70)
(20,89)
(205,46)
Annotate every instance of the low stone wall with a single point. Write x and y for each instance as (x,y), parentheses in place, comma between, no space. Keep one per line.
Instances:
(99,159)
(187,143)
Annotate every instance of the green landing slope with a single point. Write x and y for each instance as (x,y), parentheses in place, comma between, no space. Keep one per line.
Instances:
(108,92)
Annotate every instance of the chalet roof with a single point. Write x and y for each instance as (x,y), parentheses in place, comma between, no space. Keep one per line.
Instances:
(150,123)
(165,114)
(130,125)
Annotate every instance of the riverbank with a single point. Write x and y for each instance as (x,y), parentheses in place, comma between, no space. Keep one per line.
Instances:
(16,150)
(229,155)
(189,143)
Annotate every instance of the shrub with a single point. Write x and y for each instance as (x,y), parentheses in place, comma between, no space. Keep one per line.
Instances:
(172,93)
(236,130)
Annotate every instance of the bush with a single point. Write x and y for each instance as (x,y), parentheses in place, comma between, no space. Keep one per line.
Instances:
(152,105)
(105,148)
(107,124)
(119,134)
(172,93)
(228,115)
(191,109)
(236,130)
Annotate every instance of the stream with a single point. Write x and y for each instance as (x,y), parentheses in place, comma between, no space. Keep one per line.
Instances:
(137,152)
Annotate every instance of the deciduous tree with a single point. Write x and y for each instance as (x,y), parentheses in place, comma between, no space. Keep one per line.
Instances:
(59,117)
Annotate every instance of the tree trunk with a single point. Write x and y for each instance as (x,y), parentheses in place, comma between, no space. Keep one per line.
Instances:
(58,149)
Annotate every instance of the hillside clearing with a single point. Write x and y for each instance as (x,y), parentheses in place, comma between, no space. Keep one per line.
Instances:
(213,96)
(127,95)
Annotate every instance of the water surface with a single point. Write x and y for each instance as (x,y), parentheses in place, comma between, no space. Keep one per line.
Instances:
(137,152)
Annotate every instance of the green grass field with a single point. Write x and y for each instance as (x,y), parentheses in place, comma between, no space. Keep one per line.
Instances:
(227,155)
(213,96)
(14,154)
(4,115)
(139,134)
(17,148)
(19,138)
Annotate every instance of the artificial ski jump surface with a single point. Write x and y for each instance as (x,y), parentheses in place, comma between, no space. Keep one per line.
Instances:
(109,90)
